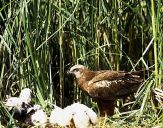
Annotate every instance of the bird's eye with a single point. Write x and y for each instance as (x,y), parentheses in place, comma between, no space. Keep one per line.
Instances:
(76,70)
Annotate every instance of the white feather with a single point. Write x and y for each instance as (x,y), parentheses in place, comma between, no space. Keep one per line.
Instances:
(26,95)
(39,117)
(17,104)
(60,117)
(14,102)
(81,120)
(82,115)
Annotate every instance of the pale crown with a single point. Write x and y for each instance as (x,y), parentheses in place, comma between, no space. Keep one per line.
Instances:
(77,70)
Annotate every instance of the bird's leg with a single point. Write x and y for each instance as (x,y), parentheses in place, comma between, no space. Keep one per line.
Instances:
(106,107)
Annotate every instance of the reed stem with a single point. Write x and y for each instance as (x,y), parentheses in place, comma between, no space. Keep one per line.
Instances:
(155,40)
(61,57)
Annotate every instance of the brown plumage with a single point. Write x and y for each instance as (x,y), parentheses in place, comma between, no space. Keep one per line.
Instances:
(106,86)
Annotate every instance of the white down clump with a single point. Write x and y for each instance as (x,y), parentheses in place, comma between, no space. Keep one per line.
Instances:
(77,115)
(24,111)
(38,117)
(19,105)
(24,97)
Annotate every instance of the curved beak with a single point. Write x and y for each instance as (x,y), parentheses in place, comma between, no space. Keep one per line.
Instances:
(70,73)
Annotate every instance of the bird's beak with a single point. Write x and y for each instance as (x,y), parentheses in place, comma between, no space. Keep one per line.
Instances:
(70,73)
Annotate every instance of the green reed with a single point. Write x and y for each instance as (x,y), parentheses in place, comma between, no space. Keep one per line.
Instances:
(40,40)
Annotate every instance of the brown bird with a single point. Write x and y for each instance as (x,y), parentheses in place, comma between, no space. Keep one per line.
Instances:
(105,86)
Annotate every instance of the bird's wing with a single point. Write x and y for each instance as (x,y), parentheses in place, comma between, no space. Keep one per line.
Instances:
(107,75)
(114,85)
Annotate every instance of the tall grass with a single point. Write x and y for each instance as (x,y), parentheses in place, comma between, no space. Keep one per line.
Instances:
(40,40)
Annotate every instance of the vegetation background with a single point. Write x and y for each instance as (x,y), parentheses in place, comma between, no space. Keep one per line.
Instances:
(41,39)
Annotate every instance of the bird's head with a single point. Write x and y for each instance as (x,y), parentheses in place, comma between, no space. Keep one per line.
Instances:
(26,95)
(77,70)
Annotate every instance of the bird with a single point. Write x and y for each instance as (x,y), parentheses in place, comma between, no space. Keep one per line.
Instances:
(24,111)
(38,117)
(19,105)
(26,95)
(60,117)
(75,115)
(105,86)
(82,116)
(16,107)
